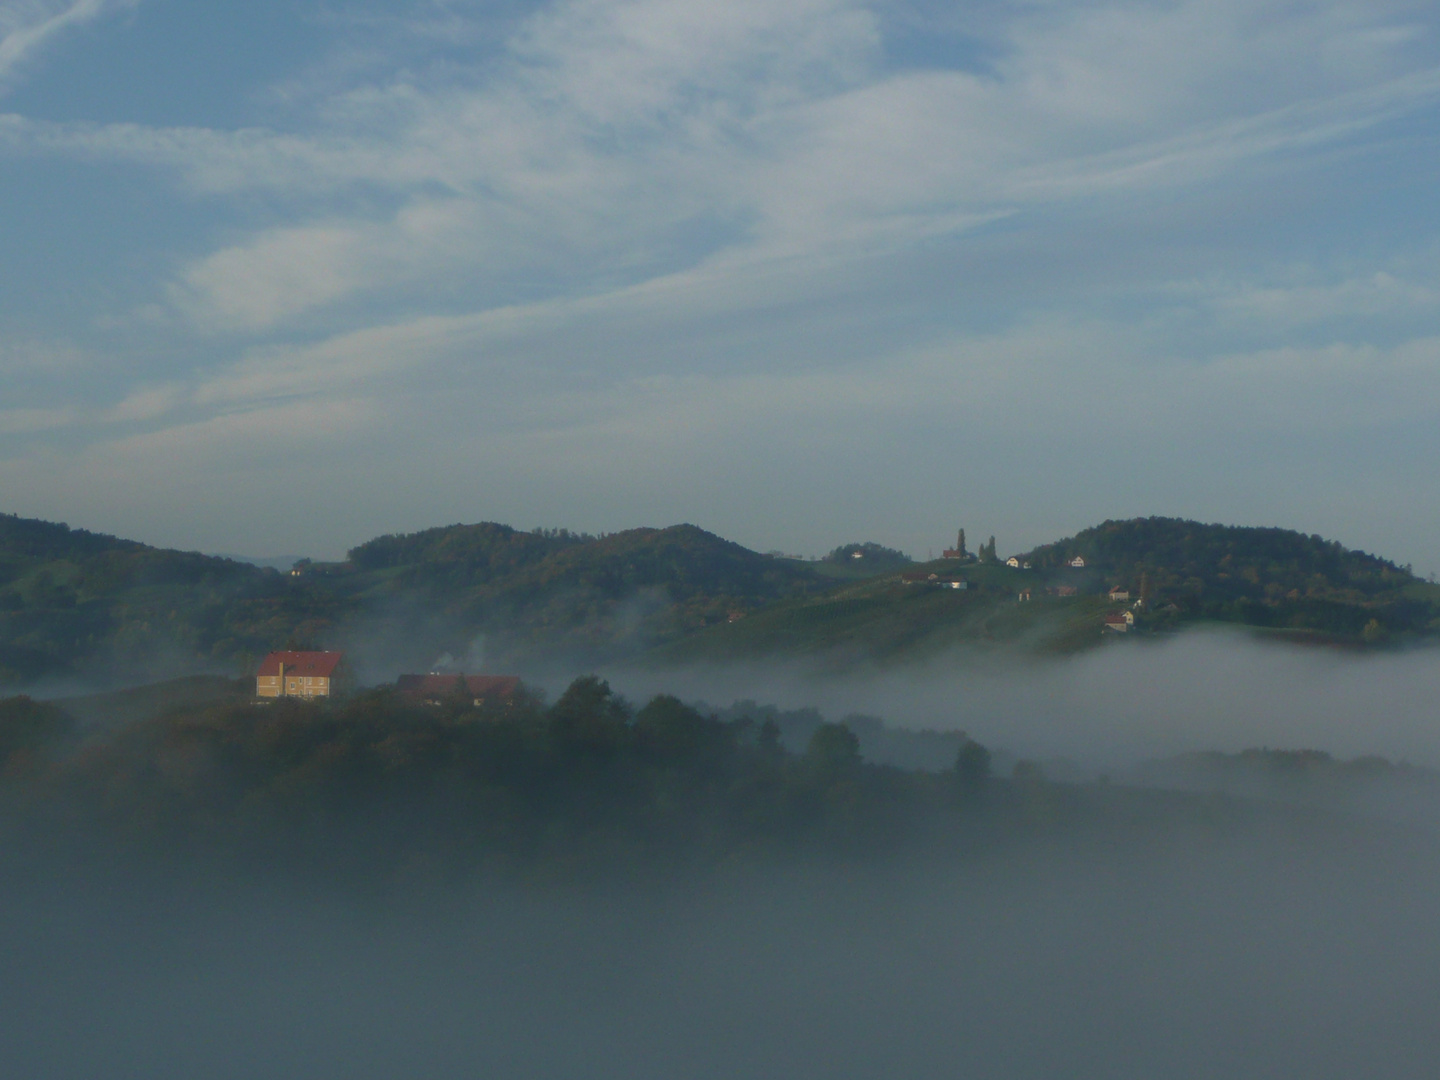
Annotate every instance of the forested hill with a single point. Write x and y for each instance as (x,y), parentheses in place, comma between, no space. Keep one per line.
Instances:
(475,552)
(22,538)
(1258,576)
(1213,554)
(94,608)
(75,604)
(507,597)
(496,561)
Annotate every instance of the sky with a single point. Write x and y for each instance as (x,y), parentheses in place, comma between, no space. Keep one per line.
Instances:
(279,277)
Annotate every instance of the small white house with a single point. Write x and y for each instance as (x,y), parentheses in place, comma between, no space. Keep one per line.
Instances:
(1078,562)
(1118,593)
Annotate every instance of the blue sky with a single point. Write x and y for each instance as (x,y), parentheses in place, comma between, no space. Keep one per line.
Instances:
(277,277)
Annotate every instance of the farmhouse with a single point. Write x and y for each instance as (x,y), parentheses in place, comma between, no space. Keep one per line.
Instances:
(299,674)
(1119,593)
(1120,622)
(1078,562)
(436,689)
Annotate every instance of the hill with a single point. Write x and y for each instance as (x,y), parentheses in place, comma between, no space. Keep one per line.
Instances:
(85,606)
(1176,573)
(489,594)
(1262,577)
(76,605)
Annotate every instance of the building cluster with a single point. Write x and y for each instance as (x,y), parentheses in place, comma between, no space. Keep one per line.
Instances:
(1119,621)
(920,577)
(477,690)
(314,675)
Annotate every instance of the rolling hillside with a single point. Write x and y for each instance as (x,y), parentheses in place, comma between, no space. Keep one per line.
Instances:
(1271,578)
(76,604)
(82,606)
(1176,572)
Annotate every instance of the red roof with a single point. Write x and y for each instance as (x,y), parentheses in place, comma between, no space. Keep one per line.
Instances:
(480,686)
(322,664)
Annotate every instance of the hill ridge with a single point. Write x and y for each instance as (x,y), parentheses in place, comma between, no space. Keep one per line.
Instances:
(78,604)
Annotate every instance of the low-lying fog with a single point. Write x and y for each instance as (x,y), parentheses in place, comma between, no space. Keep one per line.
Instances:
(1309,954)
(1248,959)
(1131,701)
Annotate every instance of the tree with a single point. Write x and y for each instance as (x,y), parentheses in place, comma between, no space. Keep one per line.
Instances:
(589,716)
(768,740)
(834,748)
(673,732)
(972,769)
(29,727)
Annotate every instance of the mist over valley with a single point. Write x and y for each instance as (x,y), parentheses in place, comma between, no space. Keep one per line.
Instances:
(1191,853)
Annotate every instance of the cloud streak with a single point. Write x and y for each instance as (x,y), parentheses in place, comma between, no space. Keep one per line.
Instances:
(27,26)
(609,135)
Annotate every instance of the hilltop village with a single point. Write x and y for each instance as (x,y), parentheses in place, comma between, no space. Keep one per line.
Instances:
(1064,581)
(319,675)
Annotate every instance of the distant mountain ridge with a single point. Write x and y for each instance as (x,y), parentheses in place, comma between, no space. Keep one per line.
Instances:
(86,606)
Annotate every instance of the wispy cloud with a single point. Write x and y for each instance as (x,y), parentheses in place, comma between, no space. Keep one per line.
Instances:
(26,26)
(624,137)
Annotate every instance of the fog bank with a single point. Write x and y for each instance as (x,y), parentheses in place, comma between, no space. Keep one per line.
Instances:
(1259,958)
(1128,702)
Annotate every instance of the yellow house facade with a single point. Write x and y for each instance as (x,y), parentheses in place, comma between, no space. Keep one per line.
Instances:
(306,675)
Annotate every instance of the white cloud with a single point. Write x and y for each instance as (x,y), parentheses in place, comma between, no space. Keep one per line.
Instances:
(30,421)
(147,403)
(26,26)
(276,274)
(607,127)
(1285,306)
